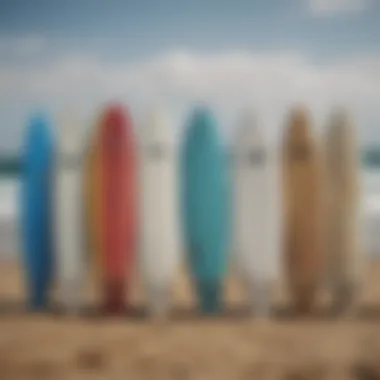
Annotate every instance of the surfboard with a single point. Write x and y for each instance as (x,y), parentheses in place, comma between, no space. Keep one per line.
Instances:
(112,205)
(345,254)
(205,197)
(256,212)
(36,211)
(92,212)
(304,201)
(160,248)
(69,216)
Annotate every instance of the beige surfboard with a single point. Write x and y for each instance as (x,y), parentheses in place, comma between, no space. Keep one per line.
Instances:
(304,205)
(344,252)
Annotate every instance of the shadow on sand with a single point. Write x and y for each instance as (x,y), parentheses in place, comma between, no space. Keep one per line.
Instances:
(12,307)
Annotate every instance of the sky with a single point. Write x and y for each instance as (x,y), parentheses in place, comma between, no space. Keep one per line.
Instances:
(76,56)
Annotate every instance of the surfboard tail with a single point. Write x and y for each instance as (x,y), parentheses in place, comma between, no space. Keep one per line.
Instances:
(114,296)
(210,296)
(38,299)
(71,297)
(345,292)
(260,294)
(159,301)
(304,298)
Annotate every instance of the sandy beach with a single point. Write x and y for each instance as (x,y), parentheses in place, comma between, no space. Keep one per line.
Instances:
(233,346)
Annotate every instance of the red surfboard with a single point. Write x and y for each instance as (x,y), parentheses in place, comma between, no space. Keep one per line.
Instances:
(118,205)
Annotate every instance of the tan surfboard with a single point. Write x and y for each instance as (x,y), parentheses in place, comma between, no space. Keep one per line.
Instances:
(344,252)
(304,204)
(92,213)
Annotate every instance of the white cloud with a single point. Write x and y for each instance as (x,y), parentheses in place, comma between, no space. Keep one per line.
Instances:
(332,7)
(229,82)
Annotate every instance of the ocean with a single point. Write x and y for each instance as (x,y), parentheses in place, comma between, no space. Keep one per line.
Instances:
(9,217)
(10,246)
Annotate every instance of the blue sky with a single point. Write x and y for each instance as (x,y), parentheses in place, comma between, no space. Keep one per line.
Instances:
(130,29)
(270,52)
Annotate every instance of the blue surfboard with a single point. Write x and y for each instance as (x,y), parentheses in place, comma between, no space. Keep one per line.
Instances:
(205,202)
(36,216)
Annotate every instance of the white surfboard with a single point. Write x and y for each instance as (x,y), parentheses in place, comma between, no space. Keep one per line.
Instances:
(160,249)
(345,258)
(68,214)
(257,215)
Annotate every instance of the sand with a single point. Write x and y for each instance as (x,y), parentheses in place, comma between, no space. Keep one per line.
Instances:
(234,346)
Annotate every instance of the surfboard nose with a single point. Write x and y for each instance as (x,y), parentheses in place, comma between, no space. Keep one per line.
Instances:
(38,130)
(248,134)
(115,120)
(158,129)
(202,124)
(70,138)
(341,134)
(299,125)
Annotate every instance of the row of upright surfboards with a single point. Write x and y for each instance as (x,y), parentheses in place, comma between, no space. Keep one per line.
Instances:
(116,202)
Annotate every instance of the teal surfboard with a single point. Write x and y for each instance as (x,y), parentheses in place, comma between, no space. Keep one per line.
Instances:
(36,209)
(205,202)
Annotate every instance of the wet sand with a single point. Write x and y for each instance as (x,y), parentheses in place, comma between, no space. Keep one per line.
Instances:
(233,346)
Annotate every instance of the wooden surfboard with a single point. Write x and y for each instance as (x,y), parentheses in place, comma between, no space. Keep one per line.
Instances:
(113,204)
(345,255)
(36,215)
(68,208)
(256,213)
(93,217)
(160,249)
(206,208)
(304,207)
